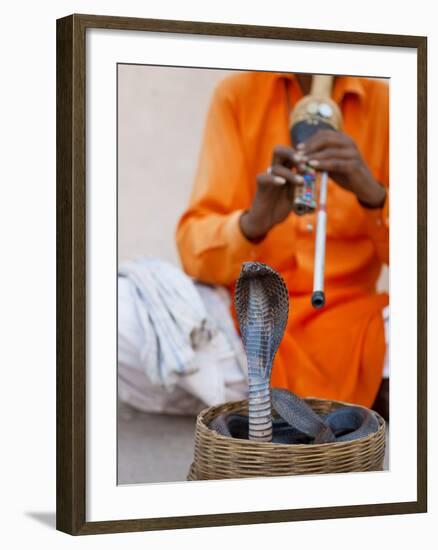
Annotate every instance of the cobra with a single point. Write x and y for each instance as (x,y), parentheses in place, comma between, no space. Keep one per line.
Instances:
(262,306)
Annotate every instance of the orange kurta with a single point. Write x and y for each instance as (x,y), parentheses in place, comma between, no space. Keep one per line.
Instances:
(336,352)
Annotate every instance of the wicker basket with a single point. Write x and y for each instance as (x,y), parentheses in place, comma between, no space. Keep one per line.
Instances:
(219,457)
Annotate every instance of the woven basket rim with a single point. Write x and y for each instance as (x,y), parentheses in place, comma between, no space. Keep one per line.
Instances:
(217,409)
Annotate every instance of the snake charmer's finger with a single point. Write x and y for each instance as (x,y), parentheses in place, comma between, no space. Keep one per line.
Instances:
(339,165)
(266,181)
(289,176)
(344,153)
(286,156)
(324,139)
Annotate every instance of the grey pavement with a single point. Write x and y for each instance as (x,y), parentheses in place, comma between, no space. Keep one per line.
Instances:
(153,447)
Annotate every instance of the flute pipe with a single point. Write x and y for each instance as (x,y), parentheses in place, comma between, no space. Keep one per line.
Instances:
(318,297)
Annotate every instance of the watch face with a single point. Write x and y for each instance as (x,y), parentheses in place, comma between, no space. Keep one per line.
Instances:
(325,110)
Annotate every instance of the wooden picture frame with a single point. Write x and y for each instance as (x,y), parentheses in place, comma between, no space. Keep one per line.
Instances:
(71,273)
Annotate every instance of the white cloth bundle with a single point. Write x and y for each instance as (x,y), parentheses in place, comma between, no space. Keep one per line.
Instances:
(176,350)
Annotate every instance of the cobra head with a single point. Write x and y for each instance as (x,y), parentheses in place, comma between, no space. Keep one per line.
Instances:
(262,305)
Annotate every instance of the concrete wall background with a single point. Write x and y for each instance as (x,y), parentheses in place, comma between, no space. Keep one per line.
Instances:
(160,122)
(161,117)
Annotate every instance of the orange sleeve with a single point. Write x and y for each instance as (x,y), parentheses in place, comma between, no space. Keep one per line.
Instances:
(378,218)
(378,229)
(209,240)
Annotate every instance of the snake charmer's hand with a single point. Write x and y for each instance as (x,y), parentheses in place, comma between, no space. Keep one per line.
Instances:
(337,154)
(273,200)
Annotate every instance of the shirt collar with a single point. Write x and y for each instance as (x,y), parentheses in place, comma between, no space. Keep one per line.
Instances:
(348,85)
(343,85)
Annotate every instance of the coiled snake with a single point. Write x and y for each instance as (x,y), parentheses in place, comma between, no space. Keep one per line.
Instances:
(262,304)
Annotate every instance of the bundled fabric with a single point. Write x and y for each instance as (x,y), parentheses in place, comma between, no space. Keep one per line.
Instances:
(171,314)
(178,347)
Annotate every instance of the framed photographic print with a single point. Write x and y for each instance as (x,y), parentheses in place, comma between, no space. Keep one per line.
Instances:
(241,274)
